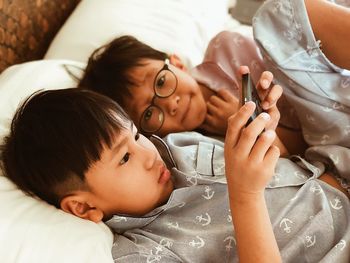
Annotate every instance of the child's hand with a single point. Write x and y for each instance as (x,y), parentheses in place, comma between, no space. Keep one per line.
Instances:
(250,156)
(219,108)
(269,95)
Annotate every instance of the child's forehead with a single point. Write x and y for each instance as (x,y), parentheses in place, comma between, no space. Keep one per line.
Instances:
(146,69)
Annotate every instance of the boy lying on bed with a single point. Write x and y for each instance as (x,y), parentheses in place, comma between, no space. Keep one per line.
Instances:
(133,74)
(79,151)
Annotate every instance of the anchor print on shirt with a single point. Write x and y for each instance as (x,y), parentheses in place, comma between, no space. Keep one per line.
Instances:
(313,51)
(204,220)
(277,177)
(345,83)
(228,242)
(347,130)
(173,225)
(198,242)
(316,189)
(165,242)
(255,65)
(325,139)
(192,178)
(277,7)
(310,118)
(341,245)
(310,241)
(155,257)
(336,204)
(286,223)
(208,193)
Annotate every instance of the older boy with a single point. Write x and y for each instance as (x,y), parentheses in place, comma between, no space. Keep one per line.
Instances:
(80,152)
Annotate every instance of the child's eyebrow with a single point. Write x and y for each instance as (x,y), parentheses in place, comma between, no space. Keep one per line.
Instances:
(119,145)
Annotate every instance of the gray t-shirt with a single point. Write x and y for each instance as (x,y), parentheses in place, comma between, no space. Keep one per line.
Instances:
(310,218)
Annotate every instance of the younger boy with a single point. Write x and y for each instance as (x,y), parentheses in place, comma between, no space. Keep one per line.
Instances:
(162,96)
(80,152)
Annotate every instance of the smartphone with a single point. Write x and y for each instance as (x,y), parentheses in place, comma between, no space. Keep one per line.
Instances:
(249,93)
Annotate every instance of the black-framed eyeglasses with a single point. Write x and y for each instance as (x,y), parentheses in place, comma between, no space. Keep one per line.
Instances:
(164,85)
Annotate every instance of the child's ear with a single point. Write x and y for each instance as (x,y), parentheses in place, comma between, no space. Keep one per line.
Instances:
(77,205)
(177,62)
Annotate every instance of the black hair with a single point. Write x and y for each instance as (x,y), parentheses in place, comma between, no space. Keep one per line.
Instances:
(55,137)
(108,66)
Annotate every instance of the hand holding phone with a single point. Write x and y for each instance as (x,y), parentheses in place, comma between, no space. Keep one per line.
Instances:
(249,93)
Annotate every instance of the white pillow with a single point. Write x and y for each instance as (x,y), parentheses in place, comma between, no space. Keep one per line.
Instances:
(183,27)
(30,229)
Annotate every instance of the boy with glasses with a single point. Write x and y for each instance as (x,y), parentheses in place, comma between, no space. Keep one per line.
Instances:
(162,96)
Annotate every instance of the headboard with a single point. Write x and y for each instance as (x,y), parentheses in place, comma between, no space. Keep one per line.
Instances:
(28,26)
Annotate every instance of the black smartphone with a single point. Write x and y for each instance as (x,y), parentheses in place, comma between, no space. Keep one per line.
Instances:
(249,93)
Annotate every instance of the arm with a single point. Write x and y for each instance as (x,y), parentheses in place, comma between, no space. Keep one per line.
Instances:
(250,161)
(331,25)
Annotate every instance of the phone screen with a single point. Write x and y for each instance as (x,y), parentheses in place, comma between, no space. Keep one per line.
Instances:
(249,93)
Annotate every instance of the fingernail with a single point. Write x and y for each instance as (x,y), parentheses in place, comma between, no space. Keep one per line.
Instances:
(265,116)
(249,104)
(264,83)
(270,133)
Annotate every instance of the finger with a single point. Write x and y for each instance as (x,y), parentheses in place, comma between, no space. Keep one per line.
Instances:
(225,95)
(210,120)
(250,134)
(272,155)
(212,109)
(262,145)
(272,97)
(243,70)
(275,117)
(265,80)
(237,122)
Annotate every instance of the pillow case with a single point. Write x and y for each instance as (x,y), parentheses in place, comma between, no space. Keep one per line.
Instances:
(30,229)
(183,27)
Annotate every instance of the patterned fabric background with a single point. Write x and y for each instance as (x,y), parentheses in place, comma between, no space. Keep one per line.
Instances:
(28,26)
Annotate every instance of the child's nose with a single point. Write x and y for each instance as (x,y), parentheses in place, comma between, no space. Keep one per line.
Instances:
(170,104)
(149,156)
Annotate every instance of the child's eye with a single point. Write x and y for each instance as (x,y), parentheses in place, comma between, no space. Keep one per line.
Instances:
(125,159)
(160,81)
(137,136)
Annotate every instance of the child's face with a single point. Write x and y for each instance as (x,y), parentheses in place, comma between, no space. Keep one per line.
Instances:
(131,178)
(183,110)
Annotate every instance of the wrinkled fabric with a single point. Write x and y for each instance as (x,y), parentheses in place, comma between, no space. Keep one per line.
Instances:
(318,89)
